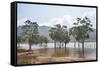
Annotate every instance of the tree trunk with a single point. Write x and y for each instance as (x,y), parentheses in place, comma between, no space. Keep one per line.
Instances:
(29,46)
(83,48)
(78,45)
(54,44)
(65,45)
(60,45)
(74,44)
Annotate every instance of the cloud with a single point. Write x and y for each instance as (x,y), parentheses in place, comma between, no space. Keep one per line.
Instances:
(67,20)
(21,21)
(63,20)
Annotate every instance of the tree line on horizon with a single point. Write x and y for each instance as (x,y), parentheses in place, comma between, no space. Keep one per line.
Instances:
(58,33)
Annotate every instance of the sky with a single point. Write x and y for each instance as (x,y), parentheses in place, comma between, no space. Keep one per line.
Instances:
(49,15)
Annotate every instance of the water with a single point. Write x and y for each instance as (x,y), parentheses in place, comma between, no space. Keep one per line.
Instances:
(69,45)
(89,48)
(51,54)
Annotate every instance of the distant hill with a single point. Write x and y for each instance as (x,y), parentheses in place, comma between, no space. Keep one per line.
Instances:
(44,30)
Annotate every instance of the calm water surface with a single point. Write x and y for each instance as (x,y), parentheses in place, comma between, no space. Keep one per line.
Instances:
(69,45)
(90,49)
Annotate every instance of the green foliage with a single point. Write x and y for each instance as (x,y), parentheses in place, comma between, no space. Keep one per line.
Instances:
(20,39)
(59,33)
(31,34)
(81,30)
(44,39)
(66,38)
(32,27)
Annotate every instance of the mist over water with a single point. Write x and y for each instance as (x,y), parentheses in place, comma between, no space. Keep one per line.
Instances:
(69,45)
(71,50)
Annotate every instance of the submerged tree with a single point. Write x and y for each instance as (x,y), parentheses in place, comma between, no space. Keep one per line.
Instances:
(52,34)
(59,34)
(66,38)
(33,39)
(43,39)
(83,26)
(72,32)
(31,32)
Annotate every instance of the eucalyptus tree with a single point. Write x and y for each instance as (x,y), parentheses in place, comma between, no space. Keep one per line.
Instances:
(33,39)
(55,34)
(59,34)
(64,35)
(44,40)
(66,38)
(52,34)
(31,32)
(73,32)
(83,27)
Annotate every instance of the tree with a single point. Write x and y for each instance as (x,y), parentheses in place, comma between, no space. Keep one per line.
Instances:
(59,34)
(43,39)
(19,40)
(33,39)
(83,26)
(73,32)
(52,34)
(31,32)
(66,38)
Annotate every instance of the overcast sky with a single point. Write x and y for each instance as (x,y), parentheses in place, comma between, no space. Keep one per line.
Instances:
(50,15)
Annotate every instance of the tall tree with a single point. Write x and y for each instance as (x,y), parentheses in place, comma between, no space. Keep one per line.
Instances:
(52,34)
(72,32)
(31,32)
(59,34)
(66,38)
(43,39)
(83,27)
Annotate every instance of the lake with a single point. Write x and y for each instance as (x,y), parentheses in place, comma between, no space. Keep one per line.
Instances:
(90,48)
(69,45)
(40,54)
